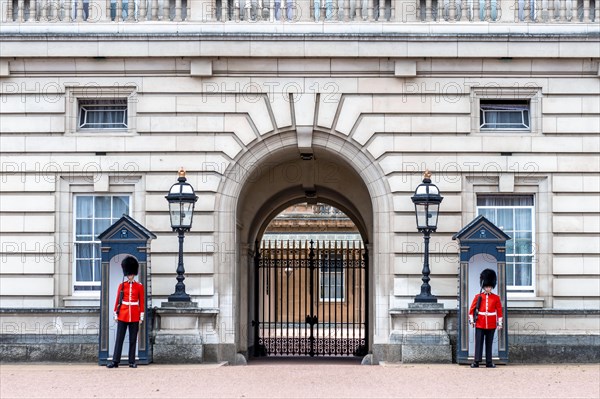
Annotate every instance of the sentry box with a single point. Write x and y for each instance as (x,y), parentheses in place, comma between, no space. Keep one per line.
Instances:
(125,237)
(482,246)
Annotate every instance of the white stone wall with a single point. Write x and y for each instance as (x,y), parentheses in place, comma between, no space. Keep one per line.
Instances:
(402,118)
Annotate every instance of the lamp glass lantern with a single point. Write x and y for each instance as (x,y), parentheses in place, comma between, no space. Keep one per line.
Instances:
(427,201)
(182,200)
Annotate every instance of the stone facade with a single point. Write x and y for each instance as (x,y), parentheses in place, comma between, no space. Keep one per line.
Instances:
(266,114)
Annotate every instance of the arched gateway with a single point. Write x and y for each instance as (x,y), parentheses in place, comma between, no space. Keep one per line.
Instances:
(273,174)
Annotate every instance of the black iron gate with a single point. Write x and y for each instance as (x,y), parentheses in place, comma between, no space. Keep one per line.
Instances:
(310,298)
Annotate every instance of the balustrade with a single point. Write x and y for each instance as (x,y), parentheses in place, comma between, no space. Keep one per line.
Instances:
(273,11)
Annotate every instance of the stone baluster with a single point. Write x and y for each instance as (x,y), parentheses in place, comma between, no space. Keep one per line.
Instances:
(476,10)
(428,4)
(452,10)
(20,9)
(177,11)
(371,10)
(573,14)
(143,10)
(597,12)
(526,10)
(550,5)
(8,17)
(130,10)
(78,11)
(236,10)
(225,10)
(586,11)
(166,10)
(463,10)
(32,10)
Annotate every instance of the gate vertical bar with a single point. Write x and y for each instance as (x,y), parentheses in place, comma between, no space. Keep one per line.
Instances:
(287,298)
(335,299)
(294,299)
(306,271)
(311,318)
(273,284)
(257,297)
(346,281)
(353,292)
(279,331)
(364,292)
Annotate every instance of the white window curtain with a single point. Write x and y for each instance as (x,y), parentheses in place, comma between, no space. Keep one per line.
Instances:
(504,116)
(514,215)
(103,114)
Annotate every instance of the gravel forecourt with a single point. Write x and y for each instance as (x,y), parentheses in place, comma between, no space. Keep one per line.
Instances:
(299,378)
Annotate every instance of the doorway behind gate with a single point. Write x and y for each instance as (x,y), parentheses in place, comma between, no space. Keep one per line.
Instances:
(310,280)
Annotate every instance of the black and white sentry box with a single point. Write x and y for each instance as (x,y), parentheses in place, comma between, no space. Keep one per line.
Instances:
(482,246)
(126,237)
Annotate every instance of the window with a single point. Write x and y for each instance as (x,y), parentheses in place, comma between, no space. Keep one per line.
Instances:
(103,114)
(503,114)
(514,214)
(331,278)
(93,215)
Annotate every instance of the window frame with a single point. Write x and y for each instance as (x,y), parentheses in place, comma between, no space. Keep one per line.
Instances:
(75,95)
(526,108)
(93,283)
(529,289)
(531,94)
(82,106)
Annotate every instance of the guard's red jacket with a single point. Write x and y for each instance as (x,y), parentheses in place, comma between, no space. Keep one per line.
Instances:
(490,311)
(133,301)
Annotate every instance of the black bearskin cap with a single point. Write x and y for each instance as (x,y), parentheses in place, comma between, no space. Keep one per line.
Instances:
(488,278)
(130,265)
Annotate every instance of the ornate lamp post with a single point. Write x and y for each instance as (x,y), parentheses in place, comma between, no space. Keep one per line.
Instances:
(182,200)
(427,201)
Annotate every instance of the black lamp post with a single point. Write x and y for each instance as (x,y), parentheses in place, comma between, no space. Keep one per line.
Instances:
(427,201)
(182,200)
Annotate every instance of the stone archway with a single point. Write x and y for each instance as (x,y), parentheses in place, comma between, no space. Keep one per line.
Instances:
(272,174)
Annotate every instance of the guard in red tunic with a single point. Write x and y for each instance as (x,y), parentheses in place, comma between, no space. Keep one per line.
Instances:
(485,315)
(129,311)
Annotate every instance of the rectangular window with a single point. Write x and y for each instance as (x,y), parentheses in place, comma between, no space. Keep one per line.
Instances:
(93,215)
(504,115)
(331,278)
(103,113)
(514,214)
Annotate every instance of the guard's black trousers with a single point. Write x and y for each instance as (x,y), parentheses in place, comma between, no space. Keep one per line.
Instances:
(480,335)
(122,327)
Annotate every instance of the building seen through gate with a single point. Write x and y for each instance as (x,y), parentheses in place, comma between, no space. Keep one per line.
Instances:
(310,278)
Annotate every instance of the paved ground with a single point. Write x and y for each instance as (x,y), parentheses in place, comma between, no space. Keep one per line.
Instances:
(285,378)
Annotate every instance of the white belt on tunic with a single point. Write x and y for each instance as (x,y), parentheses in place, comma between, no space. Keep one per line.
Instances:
(137,303)
(480,313)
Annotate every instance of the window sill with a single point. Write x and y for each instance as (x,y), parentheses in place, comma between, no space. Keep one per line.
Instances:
(525,302)
(79,301)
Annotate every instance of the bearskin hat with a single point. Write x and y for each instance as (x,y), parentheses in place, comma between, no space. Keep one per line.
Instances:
(488,278)
(130,265)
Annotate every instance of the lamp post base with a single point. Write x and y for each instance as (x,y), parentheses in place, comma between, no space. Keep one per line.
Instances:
(179,298)
(425,299)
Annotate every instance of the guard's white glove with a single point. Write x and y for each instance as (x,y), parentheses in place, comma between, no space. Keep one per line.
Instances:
(500,324)
(115,318)
(141,317)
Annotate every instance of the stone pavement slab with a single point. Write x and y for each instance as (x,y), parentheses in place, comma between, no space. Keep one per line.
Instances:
(299,378)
